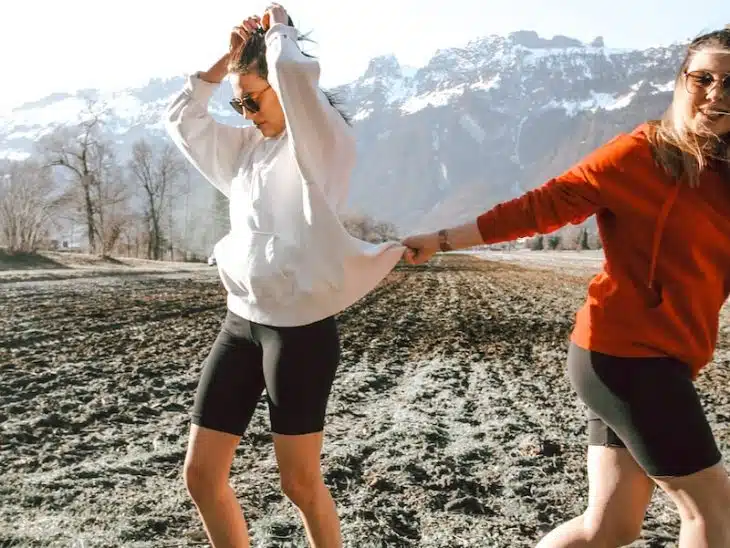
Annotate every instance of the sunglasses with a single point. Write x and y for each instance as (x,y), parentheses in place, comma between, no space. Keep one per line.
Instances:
(701,80)
(246,103)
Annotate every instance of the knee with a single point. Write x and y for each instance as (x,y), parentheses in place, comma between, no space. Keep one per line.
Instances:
(703,501)
(713,524)
(302,488)
(617,531)
(202,483)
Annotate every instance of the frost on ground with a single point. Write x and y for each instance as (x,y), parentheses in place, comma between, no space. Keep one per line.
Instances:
(64,265)
(451,423)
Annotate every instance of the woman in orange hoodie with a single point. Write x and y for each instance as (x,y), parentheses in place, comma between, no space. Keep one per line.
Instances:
(661,195)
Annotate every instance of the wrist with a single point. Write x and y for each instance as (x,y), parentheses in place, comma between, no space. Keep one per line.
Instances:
(443,239)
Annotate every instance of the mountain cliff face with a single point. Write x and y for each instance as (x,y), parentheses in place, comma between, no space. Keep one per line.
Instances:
(441,143)
(484,123)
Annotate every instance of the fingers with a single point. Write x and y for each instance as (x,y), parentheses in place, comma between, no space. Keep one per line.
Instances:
(274,13)
(241,32)
(414,256)
(251,24)
(248,25)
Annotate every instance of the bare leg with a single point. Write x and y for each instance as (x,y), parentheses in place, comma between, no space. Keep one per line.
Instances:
(703,501)
(207,467)
(618,494)
(302,483)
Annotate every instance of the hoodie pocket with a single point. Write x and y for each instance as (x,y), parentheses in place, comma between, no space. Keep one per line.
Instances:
(257,266)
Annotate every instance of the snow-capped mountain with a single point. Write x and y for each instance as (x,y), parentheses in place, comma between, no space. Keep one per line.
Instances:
(443,142)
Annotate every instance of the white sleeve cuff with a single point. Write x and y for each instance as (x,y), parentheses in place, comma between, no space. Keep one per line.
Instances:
(199,89)
(280,29)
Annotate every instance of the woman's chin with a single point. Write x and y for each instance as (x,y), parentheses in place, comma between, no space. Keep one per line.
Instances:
(268,130)
(711,126)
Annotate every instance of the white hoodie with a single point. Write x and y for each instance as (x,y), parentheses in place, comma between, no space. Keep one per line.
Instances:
(287,260)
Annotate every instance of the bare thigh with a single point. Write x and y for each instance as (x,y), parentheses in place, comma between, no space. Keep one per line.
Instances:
(619,491)
(704,495)
(618,494)
(209,457)
(298,458)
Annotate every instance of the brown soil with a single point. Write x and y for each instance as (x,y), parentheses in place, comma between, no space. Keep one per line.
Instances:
(451,422)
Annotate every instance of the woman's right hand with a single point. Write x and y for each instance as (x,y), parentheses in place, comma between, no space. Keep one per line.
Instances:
(420,248)
(240,33)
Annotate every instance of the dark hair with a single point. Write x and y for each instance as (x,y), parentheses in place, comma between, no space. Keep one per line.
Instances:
(679,152)
(250,58)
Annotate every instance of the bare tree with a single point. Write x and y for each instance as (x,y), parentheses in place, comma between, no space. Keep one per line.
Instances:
(384,231)
(366,228)
(111,195)
(27,203)
(178,208)
(570,237)
(97,194)
(156,173)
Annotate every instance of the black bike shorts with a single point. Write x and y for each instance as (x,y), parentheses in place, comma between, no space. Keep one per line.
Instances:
(647,405)
(296,366)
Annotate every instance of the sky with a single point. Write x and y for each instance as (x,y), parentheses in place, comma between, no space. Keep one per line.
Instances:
(51,46)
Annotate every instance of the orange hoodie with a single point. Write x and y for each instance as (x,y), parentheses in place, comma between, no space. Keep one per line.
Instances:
(666,244)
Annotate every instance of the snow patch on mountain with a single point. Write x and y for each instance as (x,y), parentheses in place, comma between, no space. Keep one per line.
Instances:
(472,128)
(437,98)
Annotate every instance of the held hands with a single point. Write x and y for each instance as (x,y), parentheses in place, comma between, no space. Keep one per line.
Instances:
(420,248)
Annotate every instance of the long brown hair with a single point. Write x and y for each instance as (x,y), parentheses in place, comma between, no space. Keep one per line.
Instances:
(679,151)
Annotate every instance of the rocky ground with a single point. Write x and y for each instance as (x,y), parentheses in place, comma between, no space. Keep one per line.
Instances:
(451,424)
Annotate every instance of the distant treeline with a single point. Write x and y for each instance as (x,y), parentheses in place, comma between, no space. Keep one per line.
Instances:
(76,194)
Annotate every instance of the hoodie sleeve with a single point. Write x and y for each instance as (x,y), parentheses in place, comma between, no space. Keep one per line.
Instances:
(323,143)
(213,148)
(569,198)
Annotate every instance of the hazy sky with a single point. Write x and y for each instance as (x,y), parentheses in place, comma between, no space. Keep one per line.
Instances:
(53,46)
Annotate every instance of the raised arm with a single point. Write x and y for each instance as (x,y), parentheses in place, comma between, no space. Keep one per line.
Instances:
(213,148)
(320,136)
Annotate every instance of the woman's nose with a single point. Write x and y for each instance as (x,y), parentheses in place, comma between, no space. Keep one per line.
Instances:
(717,91)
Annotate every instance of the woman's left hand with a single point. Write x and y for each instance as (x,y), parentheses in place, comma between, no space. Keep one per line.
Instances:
(274,14)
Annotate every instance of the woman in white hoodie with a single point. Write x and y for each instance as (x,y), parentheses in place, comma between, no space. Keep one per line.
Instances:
(288,266)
